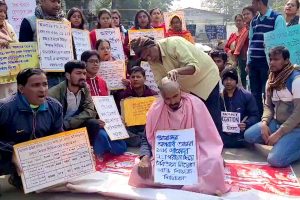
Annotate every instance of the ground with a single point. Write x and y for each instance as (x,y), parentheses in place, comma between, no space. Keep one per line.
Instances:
(257,154)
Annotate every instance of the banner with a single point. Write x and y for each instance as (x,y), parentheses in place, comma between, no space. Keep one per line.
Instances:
(157,34)
(230,122)
(108,112)
(54,159)
(175,157)
(150,81)
(134,110)
(113,72)
(113,35)
(168,17)
(17,10)
(16,58)
(81,41)
(54,44)
(216,32)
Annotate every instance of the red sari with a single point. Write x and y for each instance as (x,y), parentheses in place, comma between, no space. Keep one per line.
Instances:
(185,34)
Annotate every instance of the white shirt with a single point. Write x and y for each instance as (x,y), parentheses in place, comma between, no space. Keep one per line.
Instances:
(73,102)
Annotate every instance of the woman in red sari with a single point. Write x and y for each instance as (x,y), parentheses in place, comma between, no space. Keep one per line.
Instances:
(176,30)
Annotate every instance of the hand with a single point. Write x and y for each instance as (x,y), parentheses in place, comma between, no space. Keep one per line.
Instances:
(273,139)
(173,74)
(125,82)
(247,68)
(144,168)
(265,132)
(242,126)
(4,44)
(101,123)
(15,162)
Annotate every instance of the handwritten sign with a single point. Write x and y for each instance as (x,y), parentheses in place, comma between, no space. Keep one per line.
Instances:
(54,44)
(150,81)
(216,32)
(17,10)
(113,72)
(16,58)
(168,17)
(134,110)
(175,157)
(81,41)
(108,112)
(230,121)
(157,34)
(54,159)
(113,35)
(8,89)
(288,37)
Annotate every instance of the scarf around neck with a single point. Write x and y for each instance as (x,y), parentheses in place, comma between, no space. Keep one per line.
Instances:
(40,14)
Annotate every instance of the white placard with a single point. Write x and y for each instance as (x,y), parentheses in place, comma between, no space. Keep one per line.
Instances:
(54,159)
(175,157)
(54,44)
(17,10)
(150,81)
(113,35)
(108,112)
(113,72)
(81,41)
(230,122)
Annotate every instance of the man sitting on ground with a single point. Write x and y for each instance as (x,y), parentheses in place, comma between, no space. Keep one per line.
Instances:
(280,123)
(176,111)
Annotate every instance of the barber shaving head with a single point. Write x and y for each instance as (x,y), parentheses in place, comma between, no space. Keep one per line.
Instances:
(170,91)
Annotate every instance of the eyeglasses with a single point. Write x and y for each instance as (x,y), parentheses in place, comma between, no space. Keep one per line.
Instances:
(93,61)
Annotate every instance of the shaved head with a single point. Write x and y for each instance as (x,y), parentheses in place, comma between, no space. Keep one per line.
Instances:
(171,93)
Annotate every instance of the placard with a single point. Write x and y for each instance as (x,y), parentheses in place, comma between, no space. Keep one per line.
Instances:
(156,33)
(287,37)
(54,44)
(54,159)
(113,35)
(17,10)
(134,110)
(168,17)
(113,72)
(230,122)
(175,157)
(216,32)
(108,112)
(192,29)
(16,58)
(81,41)
(150,81)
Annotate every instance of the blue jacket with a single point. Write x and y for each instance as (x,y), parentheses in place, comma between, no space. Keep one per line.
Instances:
(19,123)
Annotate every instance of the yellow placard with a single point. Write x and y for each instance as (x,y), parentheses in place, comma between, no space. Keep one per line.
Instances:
(134,110)
(15,58)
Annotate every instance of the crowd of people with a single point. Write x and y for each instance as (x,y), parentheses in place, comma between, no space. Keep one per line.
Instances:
(195,88)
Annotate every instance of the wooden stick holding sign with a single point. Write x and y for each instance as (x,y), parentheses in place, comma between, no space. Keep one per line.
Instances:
(175,157)
(230,122)
(108,112)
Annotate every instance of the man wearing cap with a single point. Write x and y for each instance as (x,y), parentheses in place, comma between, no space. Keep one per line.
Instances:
(182,61)
(237,100)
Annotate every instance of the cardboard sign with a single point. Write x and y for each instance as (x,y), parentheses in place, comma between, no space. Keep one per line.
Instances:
(157,34)
(17,10)
(54,44)
(168,17)
(16,58)
(216,32)
(134,110)
(113,35)
(175,157)
(81,41)
(288,37)
(113,72)
(108,112)
(54,159)
(230,122)
(150,81)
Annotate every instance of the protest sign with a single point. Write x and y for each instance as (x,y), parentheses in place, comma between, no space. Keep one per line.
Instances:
(216,32)
(157,34)
(230,122)
(134,110)
(150,81)
(81,41)
(108,112)
(287,37)
(113,72)
(17,10)
(175,157)
(54,44)
(168,17)
(54,159)
(113,35)
(15,58)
